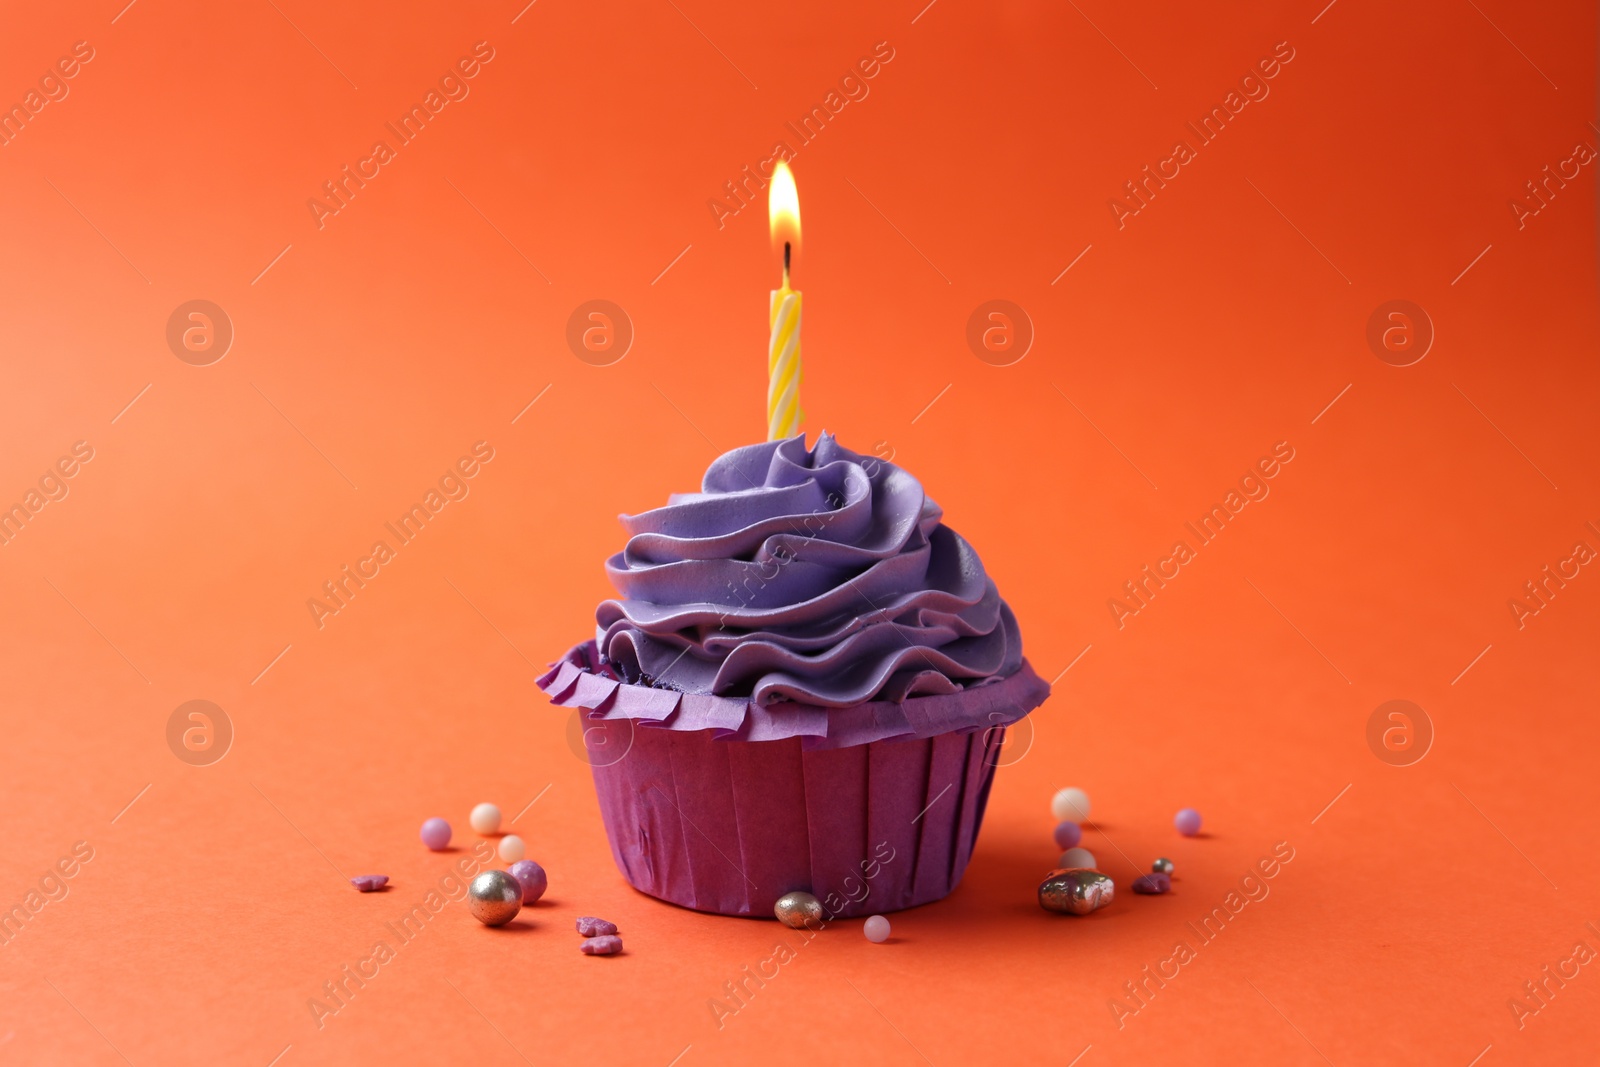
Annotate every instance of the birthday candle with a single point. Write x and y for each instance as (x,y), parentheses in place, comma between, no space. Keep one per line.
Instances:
(783,344)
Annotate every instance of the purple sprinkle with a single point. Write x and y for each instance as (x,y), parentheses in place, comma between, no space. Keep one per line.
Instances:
(604,945)
(1068,834)
(1152,884)
(591,927)
(532,878)
(436,834)
(370,883)
(1187,821)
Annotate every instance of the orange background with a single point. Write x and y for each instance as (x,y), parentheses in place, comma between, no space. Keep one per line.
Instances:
(426,314)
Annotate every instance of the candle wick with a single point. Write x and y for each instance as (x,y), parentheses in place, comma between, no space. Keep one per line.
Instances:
(786,264)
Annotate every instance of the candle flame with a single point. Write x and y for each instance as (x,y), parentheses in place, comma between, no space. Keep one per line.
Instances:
(783,207)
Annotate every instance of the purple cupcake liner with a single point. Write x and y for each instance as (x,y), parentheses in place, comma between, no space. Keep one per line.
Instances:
(707,818)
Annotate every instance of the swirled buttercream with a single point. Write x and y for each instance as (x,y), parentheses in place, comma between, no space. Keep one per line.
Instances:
(821,577)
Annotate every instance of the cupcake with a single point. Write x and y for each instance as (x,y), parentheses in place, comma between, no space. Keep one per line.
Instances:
(803,684)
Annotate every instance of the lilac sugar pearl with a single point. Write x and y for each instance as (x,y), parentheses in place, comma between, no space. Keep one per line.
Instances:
(370,883)
(604,945)
(589,926)
(436,834)
(1068,834)
(532,878)
(1187,821)
(877,929)
(1152,884)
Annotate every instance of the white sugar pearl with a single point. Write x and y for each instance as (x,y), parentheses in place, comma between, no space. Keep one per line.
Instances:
(485,819)
(1070,805)
(1077,857)
(876,929)
(512,849)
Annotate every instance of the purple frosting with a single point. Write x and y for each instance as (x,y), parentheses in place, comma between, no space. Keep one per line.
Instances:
(819,576)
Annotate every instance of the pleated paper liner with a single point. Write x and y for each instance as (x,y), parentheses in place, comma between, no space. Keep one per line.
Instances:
(707,818)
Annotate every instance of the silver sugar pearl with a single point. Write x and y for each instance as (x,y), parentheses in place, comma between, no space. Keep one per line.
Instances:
(1075,891)
(798,910)
(494,898)
(1162,866)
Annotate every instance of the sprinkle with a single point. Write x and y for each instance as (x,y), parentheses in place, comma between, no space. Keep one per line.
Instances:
(532,878)
(485,819)
(1077,857)
(1070,804)
(604,945)
(436,834)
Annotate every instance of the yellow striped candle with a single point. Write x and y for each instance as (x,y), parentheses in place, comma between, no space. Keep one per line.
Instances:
(783,344)
(783,365)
